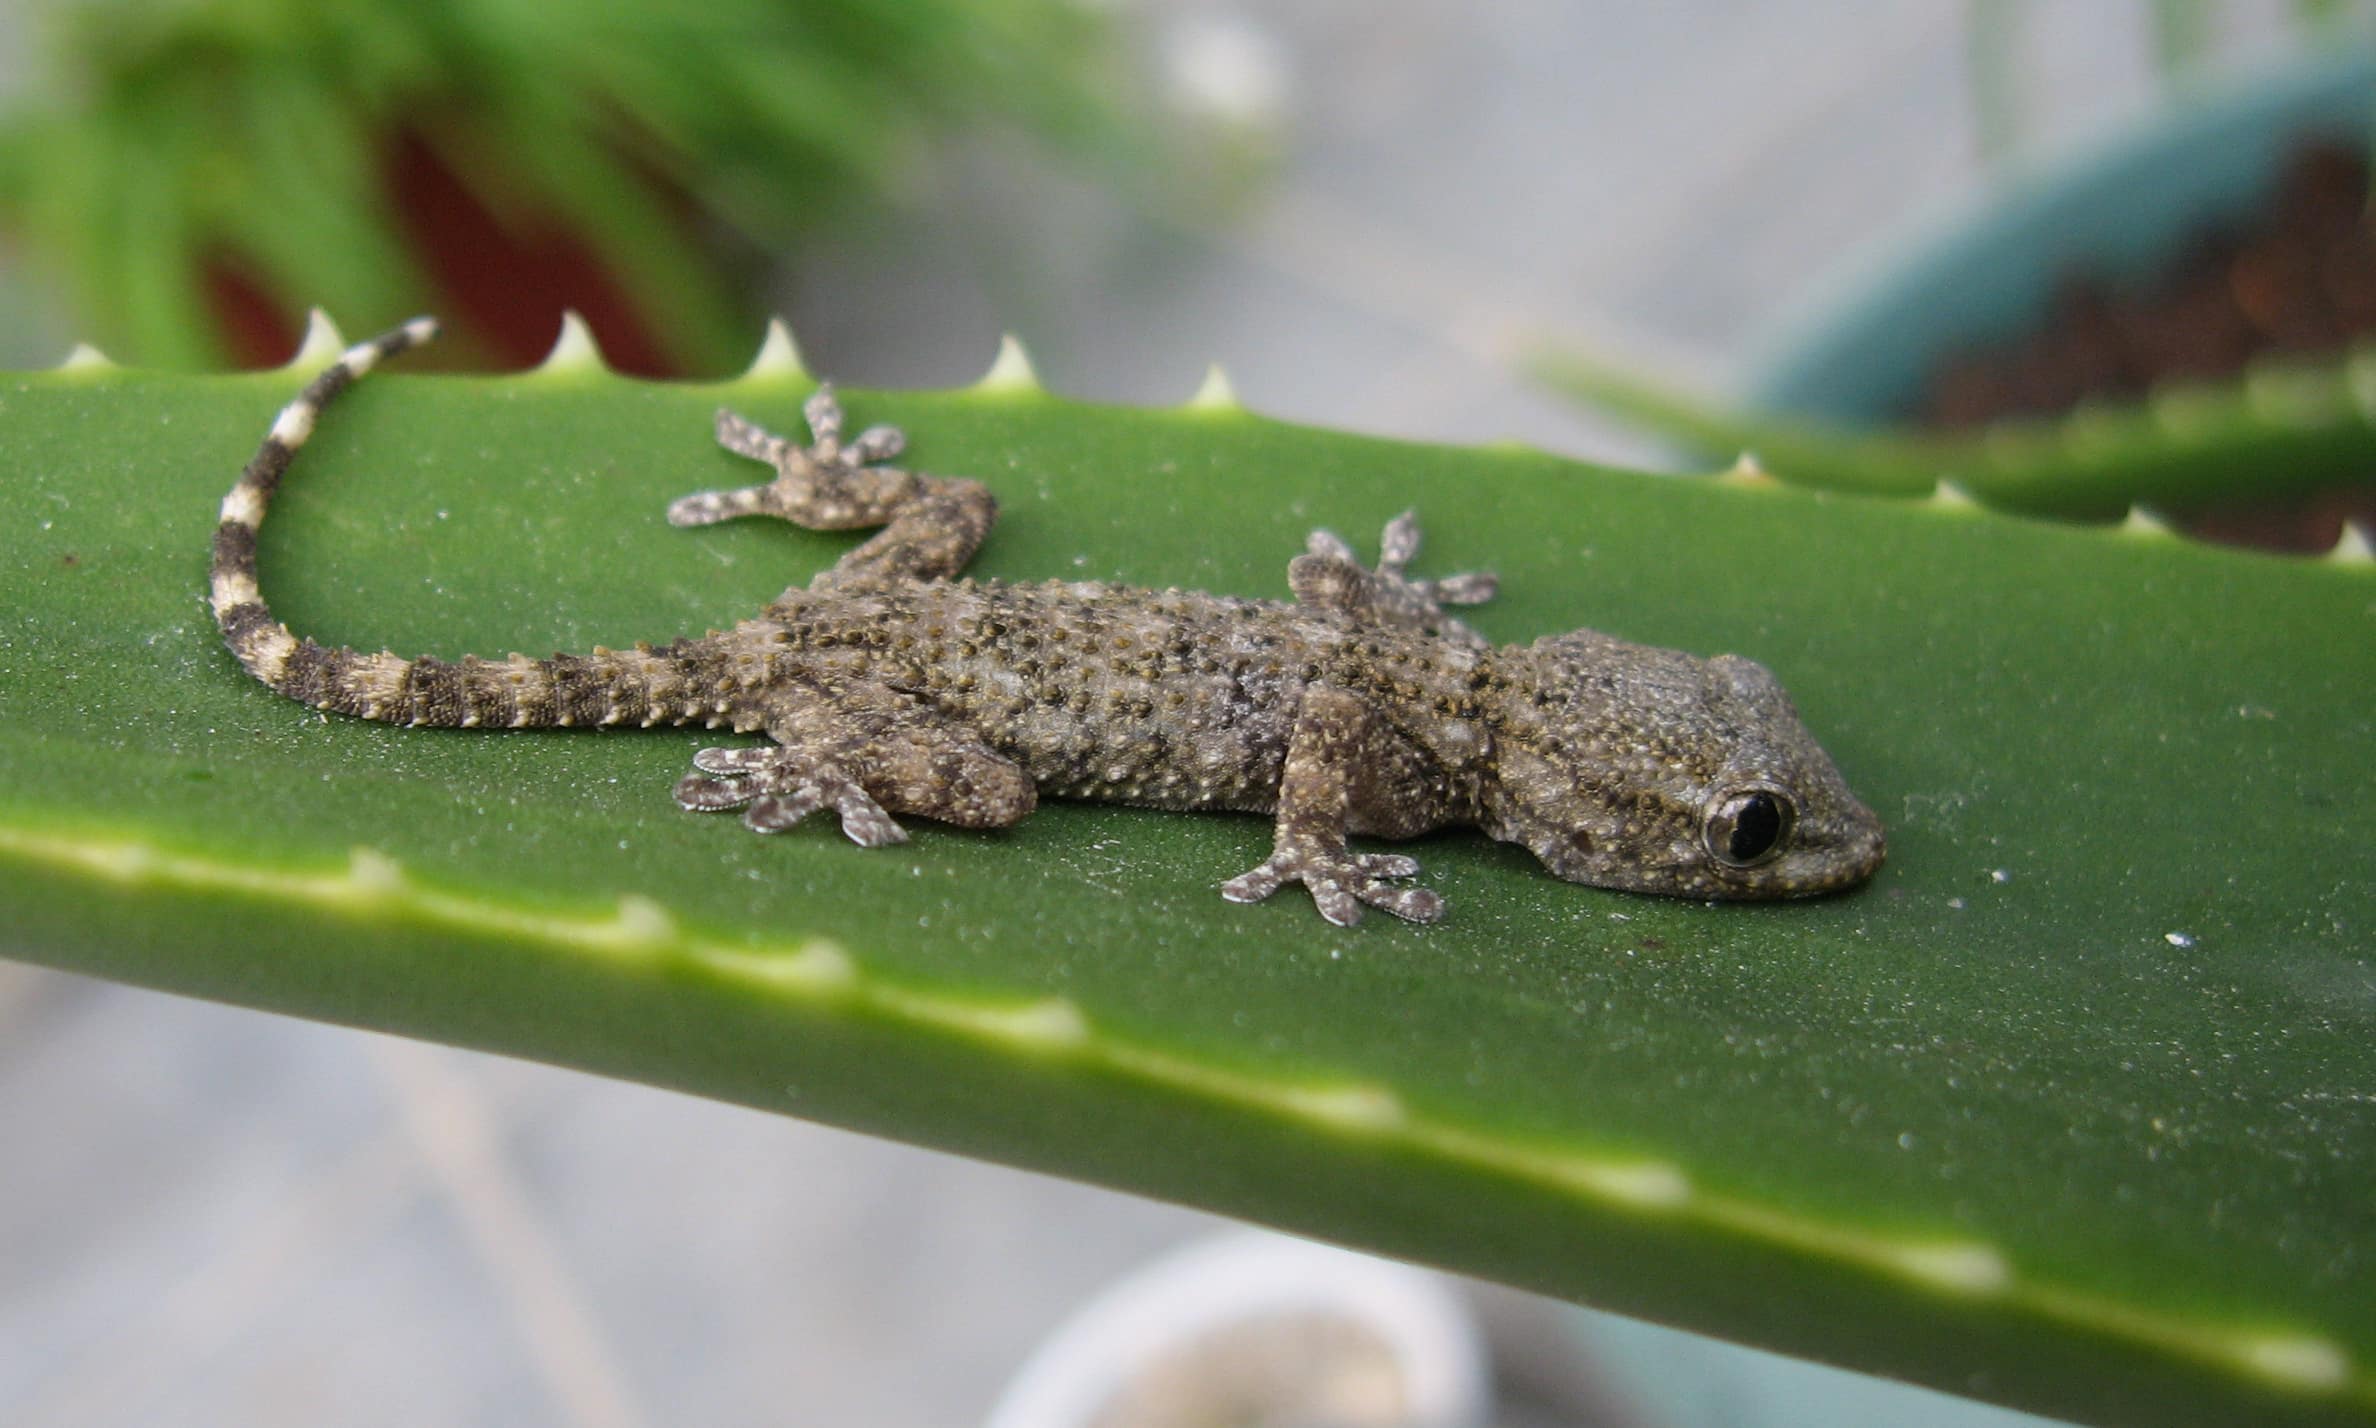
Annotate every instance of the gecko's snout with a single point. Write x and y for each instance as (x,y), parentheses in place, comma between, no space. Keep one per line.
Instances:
(1871,847)
(1862,847)
(1843,848)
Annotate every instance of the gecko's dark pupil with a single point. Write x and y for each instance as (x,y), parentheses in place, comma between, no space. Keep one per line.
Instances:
(1756,828)
(1747,826)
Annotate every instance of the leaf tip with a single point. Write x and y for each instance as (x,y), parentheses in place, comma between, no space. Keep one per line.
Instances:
(642,922)
(778,355)
(1049,1026)
(1645,1184)
(1958,1268)
(1953,496)
(321,345)
(1055,1024)
(2299,1361)
(574,350)
(372,874)
(818,969)
(83,358)
(1747,470)
(822,966)
(1214,394)
(1011,372)
(1347,1107)
(2353,546)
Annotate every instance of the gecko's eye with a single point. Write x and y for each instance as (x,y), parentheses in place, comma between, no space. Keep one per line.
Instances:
(1747,826)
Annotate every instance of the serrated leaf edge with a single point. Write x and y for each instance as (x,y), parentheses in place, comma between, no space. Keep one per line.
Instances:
(84,359)
(826,977)
(2352,547)
(1214,394)
(318,348)
(1010,372)
(1748,473)
(778,356)
(574,352)
(2001,463)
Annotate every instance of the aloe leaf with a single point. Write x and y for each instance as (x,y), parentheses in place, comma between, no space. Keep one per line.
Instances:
(2070,1109)
(2285,427)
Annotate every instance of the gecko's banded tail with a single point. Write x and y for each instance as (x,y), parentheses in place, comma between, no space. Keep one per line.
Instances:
(641,686)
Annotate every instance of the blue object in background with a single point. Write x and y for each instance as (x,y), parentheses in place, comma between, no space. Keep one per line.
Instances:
(1862,350)
(1682,1380)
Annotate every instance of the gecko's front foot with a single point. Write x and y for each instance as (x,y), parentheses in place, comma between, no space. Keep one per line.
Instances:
(1330,576)
(1397,547)
(813,482)
(777,787)
(1340,882)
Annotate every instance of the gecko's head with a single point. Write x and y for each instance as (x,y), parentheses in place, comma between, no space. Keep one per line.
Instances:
(1646,769)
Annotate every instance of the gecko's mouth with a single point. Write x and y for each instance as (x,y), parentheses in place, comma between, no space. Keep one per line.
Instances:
(1837,858)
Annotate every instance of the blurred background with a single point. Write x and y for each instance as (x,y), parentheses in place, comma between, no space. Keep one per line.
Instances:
(1367,212)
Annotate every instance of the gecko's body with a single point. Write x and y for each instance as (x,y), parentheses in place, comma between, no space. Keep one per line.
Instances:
(888,685)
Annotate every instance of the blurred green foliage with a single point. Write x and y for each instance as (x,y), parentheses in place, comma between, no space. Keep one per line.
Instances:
(165,145)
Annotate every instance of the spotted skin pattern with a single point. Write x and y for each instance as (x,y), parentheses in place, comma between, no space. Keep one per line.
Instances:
(890,685)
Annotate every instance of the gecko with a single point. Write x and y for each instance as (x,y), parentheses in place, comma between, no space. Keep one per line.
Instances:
(891,684)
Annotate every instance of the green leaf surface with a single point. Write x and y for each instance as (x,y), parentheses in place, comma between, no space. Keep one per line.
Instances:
(2073,1107)
(2287,426)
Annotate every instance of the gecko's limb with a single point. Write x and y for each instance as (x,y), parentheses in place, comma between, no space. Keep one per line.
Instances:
(865,751)
(1329,576)
(1341,761)
(931,524)
(777,787)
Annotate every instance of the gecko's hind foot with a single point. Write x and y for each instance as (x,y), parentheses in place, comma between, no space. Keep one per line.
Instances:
(801,471)
(776,788)
(1328,576)
(1340,882)
(1397,546)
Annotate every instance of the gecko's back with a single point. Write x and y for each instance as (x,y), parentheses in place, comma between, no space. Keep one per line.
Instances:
(1164,698)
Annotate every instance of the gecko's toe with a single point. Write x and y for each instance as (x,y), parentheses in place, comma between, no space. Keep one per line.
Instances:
(1255,882)
(748,759)
(1253,885)
(777,788)
(876,443)
(775,812)
(1470,587)
(1409,904)
(868,825)
(700,793)
(1398,544)
(707,508)
(1340,883)
(1328,545)
(1336,902)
